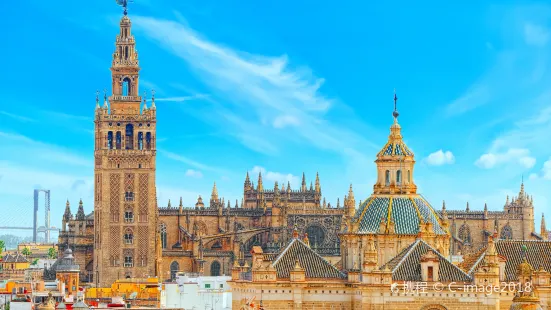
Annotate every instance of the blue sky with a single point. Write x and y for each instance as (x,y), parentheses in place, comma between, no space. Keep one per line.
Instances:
(284,88)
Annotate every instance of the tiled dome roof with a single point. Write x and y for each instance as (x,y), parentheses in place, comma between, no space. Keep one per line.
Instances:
(405,212)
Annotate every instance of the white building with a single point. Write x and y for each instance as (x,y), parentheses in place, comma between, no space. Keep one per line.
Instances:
(197,293)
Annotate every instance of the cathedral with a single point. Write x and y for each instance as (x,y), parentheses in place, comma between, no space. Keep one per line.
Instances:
(277,233)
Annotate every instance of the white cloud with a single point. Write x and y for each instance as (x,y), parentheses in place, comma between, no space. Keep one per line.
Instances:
(252,89)
(511,156)
(183,98)
(272,176)
(535,34)
(533,176)
(194,173)
(440,157)
(285,121)
(17,117)
(545,172)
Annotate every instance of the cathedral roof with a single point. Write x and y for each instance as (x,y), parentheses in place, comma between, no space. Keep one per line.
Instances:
(15,258)
(395,148)
(313,264)
(536,252)
(406,266)
(400,214)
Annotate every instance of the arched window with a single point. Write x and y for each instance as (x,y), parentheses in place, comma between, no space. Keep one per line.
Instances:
(506,232)
(129,142)
(465,233)
(128,261)
(163,235)
(128,236)
(129,216)
(174,267)
(316,235)
(409,176)
(399,177)
(148,141)
(118,140)
(126,86)
(140,140)
(110,140)
(215,269)
(387,178)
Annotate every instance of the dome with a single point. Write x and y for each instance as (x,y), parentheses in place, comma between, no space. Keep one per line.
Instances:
(405,212)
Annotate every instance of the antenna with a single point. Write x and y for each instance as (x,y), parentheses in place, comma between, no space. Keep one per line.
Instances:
(124,4)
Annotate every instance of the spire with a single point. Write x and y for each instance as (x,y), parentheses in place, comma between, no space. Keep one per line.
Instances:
(153,107)
(288,186)
(214,194)
(276,188)
(338,203)
(507,201)
(144,100)
(303,188)
(350,192)
(467,209)
(247,184)
(105,106)
(67,215)
(80,213)
(306,240)
(324,203)
(521,193)
(242,203)
(543,229)
(318,189)
(97,100)
(444,212)
(259,186)
(485,207)
(311,186)
(395,114)
(169,206)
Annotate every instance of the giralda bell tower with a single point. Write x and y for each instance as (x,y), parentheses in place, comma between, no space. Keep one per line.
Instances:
(125,204)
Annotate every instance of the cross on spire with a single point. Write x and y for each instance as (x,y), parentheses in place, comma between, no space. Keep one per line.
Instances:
(124,4)
(395,113)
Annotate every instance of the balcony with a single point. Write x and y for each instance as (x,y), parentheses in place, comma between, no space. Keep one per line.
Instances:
(125,98)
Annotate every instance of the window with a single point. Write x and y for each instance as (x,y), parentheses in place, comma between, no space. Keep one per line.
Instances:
(128,216)
(207,285)
(387,178)
(110,140)
(118,140)
(316,235)
(140,140)
(129,196)
(399,177)
(215,269)
(174,266)
(128,262)
(126,87)
(221,285)
(129,138)
(148,141)
(163,235)
(430,276)
(128,237)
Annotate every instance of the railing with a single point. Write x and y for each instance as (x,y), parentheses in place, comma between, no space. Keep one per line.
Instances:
(125,98)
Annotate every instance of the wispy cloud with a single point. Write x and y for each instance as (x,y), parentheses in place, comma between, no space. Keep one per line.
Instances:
(536,34)
(20,146)
(189,161)
(475,97)
(194,173)
(16,116)
(248,90)
(68,116)
(183,98)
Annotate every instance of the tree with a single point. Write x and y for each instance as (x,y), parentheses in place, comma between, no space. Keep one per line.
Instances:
(26,252)
(52,253)
(35,261)
(2,246)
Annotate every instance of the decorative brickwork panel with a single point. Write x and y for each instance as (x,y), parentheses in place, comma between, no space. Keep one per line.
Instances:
(143,246)
(115,191)
(114,245)
(143,197)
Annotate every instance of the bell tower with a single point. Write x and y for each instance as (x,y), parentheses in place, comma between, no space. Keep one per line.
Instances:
(125,204)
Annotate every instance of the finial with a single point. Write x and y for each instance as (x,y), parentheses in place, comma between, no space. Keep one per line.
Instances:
(124,4)
(395,113)
(153,99)
(97,99)
(443,205)
(105,98)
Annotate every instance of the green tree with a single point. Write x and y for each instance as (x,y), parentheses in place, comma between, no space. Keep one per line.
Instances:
(2,246)
(35,261)
(52,253)
(26,252)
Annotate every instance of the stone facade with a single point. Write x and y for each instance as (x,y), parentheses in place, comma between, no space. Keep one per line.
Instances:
(125,209)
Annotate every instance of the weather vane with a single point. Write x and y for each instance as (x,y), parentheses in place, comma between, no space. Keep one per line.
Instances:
(124,4)
(395,113)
